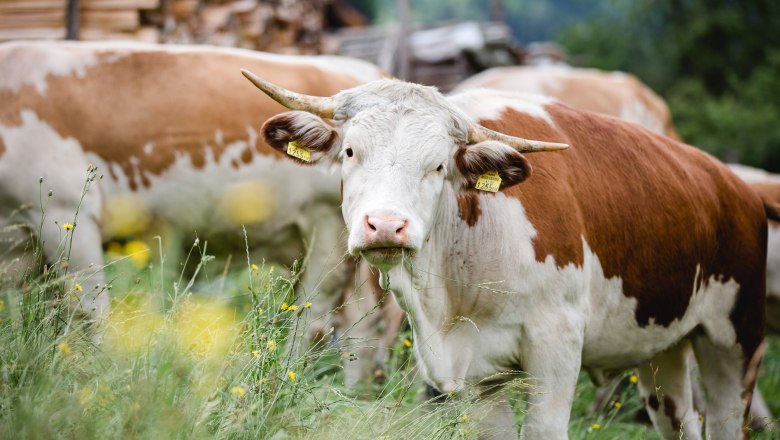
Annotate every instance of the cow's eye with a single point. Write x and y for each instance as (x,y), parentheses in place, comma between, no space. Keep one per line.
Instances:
(439,168)
(349,152)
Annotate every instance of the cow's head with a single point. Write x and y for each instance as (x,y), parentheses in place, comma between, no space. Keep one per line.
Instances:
(398,146)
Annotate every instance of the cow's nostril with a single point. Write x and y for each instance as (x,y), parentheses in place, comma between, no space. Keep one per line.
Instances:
(373,228)
(398,231)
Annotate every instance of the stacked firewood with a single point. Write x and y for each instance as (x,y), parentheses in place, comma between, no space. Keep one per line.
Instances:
(285,26)
(282,26)
(99,19)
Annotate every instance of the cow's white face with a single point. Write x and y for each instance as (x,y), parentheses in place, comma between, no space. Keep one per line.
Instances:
(398,145)
(393,166)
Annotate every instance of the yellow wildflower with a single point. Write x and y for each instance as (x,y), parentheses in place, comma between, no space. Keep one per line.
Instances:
(138,252)
(263,380)
(307,306)
(595,426)
(254,267)
(238,391)
(617,405)
(271,345)
(78,287)
(407,343)
(293,308)
(284,306)
(633,378)
(64,347)
(291,375)
(256,353)
(2,305)
(67,226)
(464,418)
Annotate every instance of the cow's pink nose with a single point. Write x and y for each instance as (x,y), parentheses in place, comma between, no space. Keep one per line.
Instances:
(385,229)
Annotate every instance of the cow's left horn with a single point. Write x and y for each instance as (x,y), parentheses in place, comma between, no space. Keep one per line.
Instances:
(320,106)
(478,133)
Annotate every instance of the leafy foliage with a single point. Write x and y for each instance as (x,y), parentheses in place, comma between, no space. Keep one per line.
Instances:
(716,62)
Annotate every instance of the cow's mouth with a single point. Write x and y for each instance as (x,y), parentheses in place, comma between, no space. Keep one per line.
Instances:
(384,256)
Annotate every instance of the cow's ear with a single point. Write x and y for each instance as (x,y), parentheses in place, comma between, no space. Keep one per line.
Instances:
(474,161)
(301,135)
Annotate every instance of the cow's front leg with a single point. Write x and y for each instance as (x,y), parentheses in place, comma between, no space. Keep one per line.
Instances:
(494,417)
(327,268)
(551,355)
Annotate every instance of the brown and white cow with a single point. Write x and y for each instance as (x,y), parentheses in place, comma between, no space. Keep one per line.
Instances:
(623,95)
(617,94)
(175,134)
(621,250)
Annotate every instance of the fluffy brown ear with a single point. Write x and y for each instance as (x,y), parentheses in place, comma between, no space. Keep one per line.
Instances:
(475,160)
(306,131)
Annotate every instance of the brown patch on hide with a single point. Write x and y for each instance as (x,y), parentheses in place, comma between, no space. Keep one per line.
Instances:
(468,206)
(654,211)
(176,101)
(246,155)
(652,402)
(670,409)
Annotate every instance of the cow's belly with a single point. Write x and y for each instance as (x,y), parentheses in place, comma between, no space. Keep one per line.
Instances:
(466,334)
(614,338)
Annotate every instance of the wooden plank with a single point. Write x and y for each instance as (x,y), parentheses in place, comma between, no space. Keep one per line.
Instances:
(113,20)
(41,19)
(38,5)
(31,5)
(119,4)
(57,33)
(147,34)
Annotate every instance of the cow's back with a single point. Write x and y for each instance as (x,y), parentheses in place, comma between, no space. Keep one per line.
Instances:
(616,94)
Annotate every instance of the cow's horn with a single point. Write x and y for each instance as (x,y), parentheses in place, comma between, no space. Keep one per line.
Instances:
(320,106)
(478,133)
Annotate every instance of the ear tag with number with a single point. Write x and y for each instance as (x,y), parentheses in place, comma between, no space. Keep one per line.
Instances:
(489,181)
(295,150)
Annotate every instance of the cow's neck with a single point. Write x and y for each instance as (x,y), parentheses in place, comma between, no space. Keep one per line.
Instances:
(459,263)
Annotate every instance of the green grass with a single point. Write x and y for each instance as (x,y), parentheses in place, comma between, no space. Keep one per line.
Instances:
(217,364)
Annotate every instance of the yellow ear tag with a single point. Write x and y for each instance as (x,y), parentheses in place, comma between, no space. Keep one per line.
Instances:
(489,181)
(302,153)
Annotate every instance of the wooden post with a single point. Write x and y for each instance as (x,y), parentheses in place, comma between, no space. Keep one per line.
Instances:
(72,20)
(497,11)
(403,45)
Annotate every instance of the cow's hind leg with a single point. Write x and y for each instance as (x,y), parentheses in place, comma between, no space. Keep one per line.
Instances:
(665,387)
(728,384)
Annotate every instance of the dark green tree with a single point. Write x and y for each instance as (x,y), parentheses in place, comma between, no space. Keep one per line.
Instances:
(717,62)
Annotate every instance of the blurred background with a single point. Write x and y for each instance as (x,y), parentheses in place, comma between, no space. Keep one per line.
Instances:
(716,62)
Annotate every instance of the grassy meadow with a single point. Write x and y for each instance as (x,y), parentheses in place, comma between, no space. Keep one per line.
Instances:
(193,356)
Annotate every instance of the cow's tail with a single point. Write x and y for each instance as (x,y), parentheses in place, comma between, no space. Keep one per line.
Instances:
(772,209)
(770,196)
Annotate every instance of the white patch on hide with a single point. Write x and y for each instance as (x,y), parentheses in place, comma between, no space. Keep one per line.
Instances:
(481,104)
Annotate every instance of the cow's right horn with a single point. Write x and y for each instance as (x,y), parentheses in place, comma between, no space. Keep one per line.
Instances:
(478,133)
(320,106)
